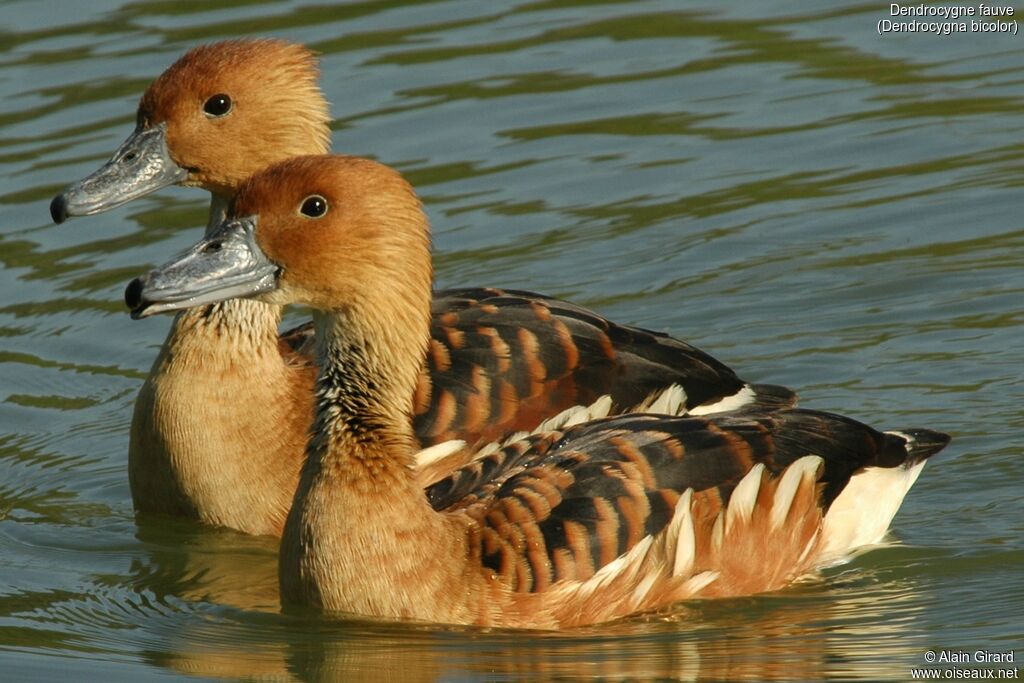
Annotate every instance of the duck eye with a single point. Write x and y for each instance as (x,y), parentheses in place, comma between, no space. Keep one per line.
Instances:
(218,105)
(313,206)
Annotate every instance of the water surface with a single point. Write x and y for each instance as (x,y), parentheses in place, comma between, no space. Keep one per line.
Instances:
(814,204)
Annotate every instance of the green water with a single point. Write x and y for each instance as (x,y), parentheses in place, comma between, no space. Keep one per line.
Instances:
(815,204)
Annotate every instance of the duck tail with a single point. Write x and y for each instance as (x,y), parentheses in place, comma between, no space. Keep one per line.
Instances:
(772,397)
(920,444)
(860,516)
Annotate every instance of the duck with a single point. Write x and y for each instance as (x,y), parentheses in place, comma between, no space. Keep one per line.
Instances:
(499,361)
(560,528)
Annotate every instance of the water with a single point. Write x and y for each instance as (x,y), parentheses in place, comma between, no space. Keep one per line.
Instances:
(815,204)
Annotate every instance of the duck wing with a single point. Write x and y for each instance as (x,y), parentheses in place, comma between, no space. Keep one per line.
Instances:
(504,360)
(561,506)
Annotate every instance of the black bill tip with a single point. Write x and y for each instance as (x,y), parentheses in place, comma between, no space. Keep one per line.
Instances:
(59,209)
(133,298)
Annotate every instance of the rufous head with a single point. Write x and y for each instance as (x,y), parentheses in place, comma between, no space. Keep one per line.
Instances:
(235,107)
(341,228)
(219,114)
(336,233)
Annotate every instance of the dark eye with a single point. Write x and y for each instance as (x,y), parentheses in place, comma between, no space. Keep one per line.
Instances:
(218,105)
(313,206)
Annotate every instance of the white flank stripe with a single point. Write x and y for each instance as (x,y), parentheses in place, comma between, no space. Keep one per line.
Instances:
(806,467)
(672,401)
(577,415)
(617,566)
(698,582)
(428,456)
(686,543)
(641,591)
(737,400)
(744,496)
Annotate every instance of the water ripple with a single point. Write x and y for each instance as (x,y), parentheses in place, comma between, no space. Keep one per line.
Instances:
(815,205)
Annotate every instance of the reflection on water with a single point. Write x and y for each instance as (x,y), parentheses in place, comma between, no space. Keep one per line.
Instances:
(806,633)
(816,205)
(212,565)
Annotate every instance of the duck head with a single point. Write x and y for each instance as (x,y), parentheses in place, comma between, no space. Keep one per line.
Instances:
(339,234)
(216,116)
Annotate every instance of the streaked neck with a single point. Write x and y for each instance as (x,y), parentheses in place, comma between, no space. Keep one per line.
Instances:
(363,400)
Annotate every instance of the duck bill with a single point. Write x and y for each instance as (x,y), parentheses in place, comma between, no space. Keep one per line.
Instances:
(142,164)
(227,264)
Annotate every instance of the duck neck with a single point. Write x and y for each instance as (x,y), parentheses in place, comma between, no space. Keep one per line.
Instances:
(191,449)
(364,392)
(359,524)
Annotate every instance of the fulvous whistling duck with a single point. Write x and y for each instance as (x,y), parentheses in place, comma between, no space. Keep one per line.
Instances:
(561,528)
(497,361)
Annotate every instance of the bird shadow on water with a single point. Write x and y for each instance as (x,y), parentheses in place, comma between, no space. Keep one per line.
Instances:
(856,621)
